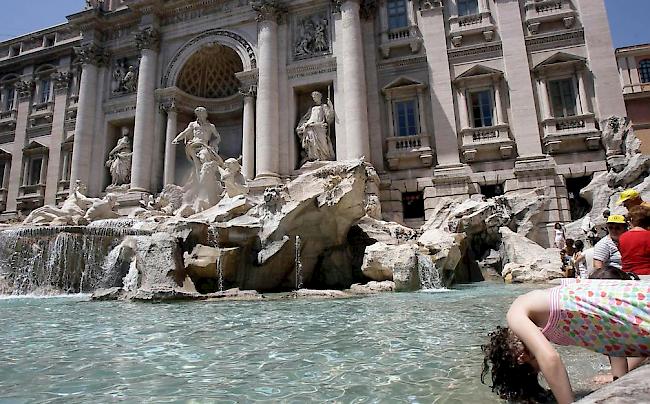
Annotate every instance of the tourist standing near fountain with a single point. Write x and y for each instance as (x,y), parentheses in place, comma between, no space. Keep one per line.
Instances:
(606,316)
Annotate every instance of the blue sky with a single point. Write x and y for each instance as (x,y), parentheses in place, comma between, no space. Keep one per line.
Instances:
(628,18)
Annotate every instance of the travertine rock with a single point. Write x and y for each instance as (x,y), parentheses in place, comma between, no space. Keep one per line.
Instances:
(527,261)
(632,388)
(381,260)
(372,287)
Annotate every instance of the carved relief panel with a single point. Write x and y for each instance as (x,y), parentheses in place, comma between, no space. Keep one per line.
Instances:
(311,35)
(124,76)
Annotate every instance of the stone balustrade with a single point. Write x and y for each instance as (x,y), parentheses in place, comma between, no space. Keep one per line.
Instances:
(480,144)
(43,108)
(573,133)
(409,151)
(543,11)
(465,25)
(8,120)
(401,38)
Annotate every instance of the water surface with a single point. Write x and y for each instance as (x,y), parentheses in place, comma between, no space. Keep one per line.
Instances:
(409,348)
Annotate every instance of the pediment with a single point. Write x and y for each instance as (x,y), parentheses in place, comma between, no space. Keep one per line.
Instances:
(402,81)
(34,146)
(560,58)
(69,139)
(478,71)
(4,153)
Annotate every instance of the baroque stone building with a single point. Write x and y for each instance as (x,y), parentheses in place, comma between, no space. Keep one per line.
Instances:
(446,98)
(634,68)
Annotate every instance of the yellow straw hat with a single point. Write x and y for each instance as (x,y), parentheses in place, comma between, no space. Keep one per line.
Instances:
(627,195)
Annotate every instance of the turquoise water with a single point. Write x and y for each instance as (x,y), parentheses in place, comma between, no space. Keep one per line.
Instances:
(416,347)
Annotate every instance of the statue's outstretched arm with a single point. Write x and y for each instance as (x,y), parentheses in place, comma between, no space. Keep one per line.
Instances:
(183,134)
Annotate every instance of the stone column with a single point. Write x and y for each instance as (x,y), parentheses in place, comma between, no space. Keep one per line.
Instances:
(462,109)
(145,113)
(391,118)
(424,129)
(91,58)
(169,169)
(497,102)
(248,135)
(267,151)
(582,90)
(432,25)
(543,98)
(61,88)
(354,81)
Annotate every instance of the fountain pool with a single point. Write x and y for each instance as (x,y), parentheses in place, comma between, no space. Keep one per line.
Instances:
(400,347)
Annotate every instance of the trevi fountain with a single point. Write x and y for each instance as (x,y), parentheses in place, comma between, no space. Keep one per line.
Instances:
(296,283)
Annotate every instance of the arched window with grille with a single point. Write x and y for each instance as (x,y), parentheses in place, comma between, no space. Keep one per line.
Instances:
(644,71)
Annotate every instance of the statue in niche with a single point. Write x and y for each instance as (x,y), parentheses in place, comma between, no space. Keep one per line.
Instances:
(197,137)
(125,78)
(314,131)
(119,160)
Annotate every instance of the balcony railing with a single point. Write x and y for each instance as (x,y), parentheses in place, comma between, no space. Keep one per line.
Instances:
(487,143)
(43,108)
(400,38)
(541,11)
(465,25)
(31,196)
(409,151)
(8,120)
(572,133)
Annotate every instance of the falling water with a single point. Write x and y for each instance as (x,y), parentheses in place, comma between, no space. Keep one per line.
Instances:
(430,278)
(220,272)
(68,259)
(298,263)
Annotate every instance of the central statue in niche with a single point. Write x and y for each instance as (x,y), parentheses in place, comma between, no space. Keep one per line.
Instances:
(314,131)
(197,137)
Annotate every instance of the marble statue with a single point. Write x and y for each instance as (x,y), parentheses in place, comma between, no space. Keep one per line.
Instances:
(615,130)
(205,190)
(103,209)
(119,160)
(70,213)
(233,179)
(313,131)
(321,42)
(197,137)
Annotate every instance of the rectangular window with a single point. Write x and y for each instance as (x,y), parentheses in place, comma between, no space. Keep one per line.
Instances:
(14,50)
(397,14)
(44,91)
(563,98)
(406,118)
(467,7)
(48,41)
(3,167)
(34,175)
(482,108)
(10,94)
(413,205)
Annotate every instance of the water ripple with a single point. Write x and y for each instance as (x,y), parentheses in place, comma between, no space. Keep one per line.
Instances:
(403,348)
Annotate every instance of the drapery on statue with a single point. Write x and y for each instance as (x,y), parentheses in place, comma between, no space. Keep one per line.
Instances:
(197,137)
(119,160)
(313,131)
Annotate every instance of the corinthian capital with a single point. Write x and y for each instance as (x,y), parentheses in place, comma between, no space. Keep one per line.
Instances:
(61,80)
(269,10)
(24,89)
(91,54)
(148,38)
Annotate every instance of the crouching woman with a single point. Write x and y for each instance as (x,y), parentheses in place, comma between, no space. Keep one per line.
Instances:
(607,316)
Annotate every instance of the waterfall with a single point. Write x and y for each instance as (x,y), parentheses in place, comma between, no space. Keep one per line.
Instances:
(430,277)
(298,263)
(67,259)
(220,272)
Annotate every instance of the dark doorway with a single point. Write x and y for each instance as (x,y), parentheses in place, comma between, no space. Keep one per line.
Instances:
(413,205)
(578,206)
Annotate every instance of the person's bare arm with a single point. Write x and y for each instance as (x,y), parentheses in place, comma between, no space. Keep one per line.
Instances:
(598,264)
(547,357)
(619,366)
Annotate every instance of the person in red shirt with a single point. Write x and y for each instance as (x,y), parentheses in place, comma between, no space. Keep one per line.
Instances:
(634,244)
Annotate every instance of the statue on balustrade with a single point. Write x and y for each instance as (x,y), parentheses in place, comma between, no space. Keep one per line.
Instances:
(197,137)
(119,160)
(314,131)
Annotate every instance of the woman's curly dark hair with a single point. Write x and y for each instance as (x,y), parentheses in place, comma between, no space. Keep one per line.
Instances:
(510,379)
